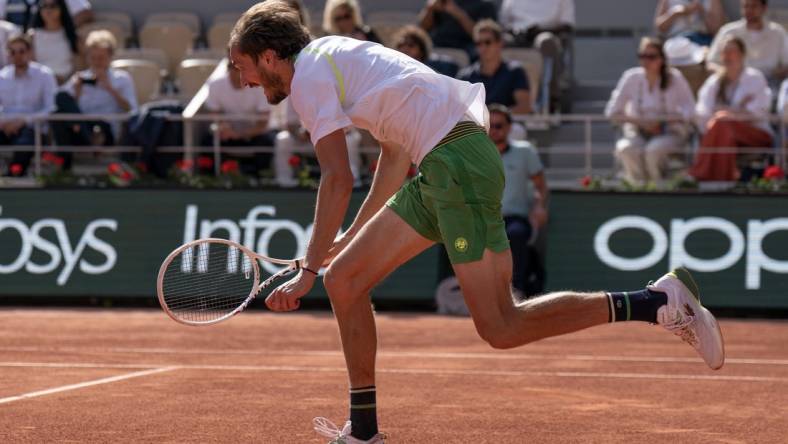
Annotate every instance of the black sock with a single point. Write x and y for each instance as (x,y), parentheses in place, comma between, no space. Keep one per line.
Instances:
(363,414)
(635,305)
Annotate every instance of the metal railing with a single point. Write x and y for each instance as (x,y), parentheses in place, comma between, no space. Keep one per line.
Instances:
(189,148)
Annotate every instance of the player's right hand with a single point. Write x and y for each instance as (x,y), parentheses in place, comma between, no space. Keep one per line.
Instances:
(340,243)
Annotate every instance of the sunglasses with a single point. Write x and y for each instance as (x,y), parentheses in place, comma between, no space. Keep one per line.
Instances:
(486,42)
(343,17)
(497,126)
(648,56)
(14,52)
(49,6)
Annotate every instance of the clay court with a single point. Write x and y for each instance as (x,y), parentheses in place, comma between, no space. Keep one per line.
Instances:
(137,376)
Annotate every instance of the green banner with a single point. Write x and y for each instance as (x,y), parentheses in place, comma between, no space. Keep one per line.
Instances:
(735,245)
(110,243)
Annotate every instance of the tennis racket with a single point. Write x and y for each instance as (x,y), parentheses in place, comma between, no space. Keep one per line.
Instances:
(209,280)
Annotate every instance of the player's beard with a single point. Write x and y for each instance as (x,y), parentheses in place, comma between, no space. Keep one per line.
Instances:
(273,85)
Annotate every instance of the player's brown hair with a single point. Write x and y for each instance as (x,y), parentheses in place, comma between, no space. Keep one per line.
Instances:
(271,25)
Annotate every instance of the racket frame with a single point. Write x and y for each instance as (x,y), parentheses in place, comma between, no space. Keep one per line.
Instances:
(291,266)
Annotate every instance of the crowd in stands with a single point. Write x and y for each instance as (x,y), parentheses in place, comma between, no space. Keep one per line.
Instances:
(734,68)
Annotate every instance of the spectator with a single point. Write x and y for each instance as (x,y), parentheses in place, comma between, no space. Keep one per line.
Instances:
(413,41)
(654,101)
(542,25)
(505,81)
(99,89)
(54,38)
(21,12)
(26,88)
(767,49)
(697,20)
(732,111)
(7,30)
(524,195)
(343,17)
(295,140)
(450,22)
(227,95)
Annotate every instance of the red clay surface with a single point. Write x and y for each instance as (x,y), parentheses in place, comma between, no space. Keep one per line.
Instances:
(261,378)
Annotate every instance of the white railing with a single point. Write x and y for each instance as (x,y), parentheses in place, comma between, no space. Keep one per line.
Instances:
(189,148)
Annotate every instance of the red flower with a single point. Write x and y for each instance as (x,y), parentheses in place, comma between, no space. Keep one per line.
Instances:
(114,168)
(126,176)
(585,181)
(52,158)
(184,165)
(16,169)
(773,172)
(294,161)
(230,166)
(141,166)
(204,163)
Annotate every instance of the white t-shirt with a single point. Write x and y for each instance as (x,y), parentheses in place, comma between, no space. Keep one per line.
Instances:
(74,6)
(684,23)
(52,49)
(520,15)
(766,49)
(340,82)
(634,98)
(752,83)
(225,98)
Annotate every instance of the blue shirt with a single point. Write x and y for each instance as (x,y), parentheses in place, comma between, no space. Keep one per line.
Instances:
(30,93)
(501,86)
(520,163)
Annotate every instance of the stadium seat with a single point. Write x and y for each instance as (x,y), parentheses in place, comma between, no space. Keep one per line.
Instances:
(121,18)
(175,39)
(458,56)
(219,34)
(226,17)
(115,28)
(188,19)
(532,62)
(154,55)
(695,75)
(207,53)
(192,73)
(146,77)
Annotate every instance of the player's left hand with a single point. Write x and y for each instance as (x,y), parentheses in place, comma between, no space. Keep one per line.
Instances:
(286,296)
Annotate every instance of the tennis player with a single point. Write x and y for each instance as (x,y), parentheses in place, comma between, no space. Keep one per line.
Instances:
(437,123)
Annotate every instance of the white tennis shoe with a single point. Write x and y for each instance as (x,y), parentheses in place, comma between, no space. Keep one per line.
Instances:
(328,429)
(685,317)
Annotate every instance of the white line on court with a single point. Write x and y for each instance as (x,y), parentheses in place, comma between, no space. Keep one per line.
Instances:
(393,354)
(413,371)
(85,384)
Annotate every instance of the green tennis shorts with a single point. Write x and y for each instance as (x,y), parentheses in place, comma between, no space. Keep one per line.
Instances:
(456,197)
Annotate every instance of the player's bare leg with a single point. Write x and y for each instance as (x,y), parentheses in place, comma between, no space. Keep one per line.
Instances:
(487,287)
(382,245)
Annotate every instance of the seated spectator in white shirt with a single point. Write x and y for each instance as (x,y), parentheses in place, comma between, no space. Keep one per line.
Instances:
(697,20)
(542,25)
(765,40)
(7,30)
(227,95)
(54,38)
(21,12)
(654,103)
(732,112)
(413,41)
(99,89)
(26,88)
(293,139)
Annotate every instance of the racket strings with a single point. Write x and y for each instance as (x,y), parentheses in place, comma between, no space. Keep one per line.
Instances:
(207,281)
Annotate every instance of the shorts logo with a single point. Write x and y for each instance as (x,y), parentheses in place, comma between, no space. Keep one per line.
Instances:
(461,244)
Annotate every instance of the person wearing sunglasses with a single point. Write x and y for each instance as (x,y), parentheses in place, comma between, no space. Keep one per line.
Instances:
(505,81)
(55,38)
(27,90)
(343,17)
(653,102)
(413,41)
